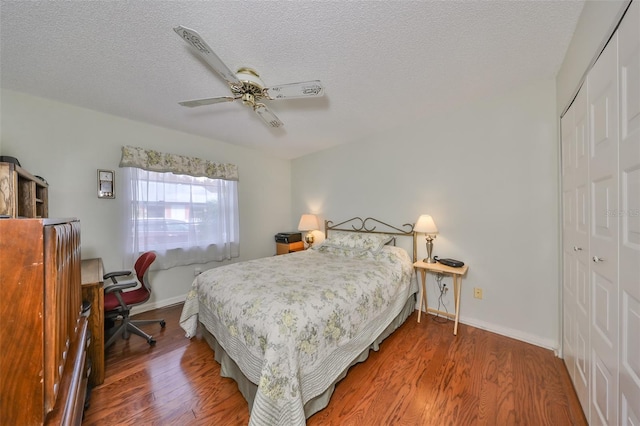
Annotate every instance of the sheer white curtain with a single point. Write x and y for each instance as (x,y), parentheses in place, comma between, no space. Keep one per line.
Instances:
(184,219)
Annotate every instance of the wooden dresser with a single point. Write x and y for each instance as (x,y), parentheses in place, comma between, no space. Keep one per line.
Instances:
(43,334)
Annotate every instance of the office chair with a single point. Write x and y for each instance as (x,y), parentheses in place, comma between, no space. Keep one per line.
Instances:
(118,303)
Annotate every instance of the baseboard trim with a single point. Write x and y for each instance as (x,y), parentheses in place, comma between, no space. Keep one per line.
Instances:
(512,333)
(158,304)
(509,332)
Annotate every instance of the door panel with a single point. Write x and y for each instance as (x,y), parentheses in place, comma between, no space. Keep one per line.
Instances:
(583,365)
(582,288)
(605,303)
(582,211)
(568,212)
(604,208)
(630,208)
(603,382)
(568,258)
(629,214)
(582,330)
(603,241)
(568,147)
(575,163)
(582,218)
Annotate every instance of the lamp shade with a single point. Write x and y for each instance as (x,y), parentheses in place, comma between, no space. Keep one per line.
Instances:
(425,225)
(308,222)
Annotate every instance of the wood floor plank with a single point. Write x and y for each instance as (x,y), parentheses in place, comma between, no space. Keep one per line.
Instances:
(422,375)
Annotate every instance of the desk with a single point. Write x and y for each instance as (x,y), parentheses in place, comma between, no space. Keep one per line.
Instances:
(93,291)
(456,274)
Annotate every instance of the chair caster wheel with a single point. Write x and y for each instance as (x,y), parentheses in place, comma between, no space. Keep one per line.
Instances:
(163,324)
(151,342)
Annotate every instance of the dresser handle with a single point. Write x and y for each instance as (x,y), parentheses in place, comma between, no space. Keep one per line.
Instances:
(597,259)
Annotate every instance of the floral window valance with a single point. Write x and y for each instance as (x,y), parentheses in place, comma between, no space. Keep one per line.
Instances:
(155,161)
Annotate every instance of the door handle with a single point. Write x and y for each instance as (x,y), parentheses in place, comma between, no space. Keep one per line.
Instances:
(597,259)
(575,248)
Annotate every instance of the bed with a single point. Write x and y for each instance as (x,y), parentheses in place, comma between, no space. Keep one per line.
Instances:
(287,328)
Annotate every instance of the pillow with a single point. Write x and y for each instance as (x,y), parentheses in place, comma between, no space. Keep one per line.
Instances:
(339,251)
(357,241)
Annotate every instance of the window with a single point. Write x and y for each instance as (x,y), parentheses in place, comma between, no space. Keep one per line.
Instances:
(184,219)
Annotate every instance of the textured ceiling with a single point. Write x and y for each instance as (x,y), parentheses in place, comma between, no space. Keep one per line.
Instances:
(384,64)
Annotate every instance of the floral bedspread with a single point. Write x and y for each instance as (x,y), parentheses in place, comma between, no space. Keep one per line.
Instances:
(293,323)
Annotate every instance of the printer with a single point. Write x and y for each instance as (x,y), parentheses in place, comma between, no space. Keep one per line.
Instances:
(288,237)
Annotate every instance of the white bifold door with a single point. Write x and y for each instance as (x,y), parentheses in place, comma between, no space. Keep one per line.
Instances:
(601,232)
(629,217)
(576,294)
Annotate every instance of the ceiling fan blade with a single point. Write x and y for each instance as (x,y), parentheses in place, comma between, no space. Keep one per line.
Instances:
(194,39)
(267,116)
(207,101)
(296,90)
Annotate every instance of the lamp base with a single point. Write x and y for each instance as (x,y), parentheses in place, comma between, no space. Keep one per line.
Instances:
(429,259)
(309,238)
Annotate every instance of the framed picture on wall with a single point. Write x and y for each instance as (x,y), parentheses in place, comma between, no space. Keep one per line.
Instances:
(106,184)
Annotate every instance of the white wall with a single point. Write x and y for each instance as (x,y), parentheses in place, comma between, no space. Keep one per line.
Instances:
(487,173)
(67,144)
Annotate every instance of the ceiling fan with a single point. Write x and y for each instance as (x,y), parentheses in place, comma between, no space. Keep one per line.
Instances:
(246,84)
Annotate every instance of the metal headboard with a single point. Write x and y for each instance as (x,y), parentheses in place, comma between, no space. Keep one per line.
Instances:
(370,225)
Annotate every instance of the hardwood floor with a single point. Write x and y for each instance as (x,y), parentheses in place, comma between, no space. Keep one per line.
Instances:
(422,375)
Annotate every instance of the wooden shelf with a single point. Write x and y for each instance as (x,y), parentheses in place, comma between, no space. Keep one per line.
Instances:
(22,194)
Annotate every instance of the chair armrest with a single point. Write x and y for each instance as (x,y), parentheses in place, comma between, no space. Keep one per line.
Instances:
(120,285)
(113,275)
(116,274)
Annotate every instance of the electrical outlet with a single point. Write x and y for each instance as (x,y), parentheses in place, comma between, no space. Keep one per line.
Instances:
(477,292)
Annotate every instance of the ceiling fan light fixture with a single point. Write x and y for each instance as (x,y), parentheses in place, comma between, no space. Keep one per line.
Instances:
(248,71)
(248,99)
(250,78)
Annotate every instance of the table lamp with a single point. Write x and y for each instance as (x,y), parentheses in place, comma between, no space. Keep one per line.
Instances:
(308,222)
(426,225)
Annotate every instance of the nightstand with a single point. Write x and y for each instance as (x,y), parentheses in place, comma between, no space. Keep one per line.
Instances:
(438,268)
(284,248)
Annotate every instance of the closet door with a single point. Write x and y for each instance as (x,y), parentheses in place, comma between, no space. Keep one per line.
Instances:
(576,300)
(603,241)
(629,245)
(568,254)
(581,249)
